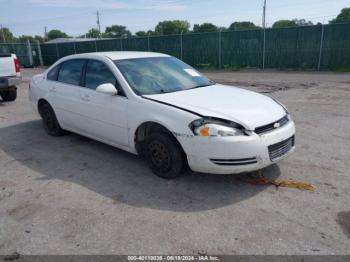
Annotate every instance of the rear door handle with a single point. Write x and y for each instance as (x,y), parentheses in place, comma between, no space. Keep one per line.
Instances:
(53,89)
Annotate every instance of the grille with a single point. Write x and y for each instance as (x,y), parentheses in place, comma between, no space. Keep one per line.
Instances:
(267,128)
(281,148)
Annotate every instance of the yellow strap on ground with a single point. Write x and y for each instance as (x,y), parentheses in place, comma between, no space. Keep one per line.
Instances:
(302,185)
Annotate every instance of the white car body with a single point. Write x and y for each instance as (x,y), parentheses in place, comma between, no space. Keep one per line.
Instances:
(115,119)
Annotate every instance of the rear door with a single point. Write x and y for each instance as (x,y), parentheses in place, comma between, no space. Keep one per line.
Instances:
(65,82)
(105,115)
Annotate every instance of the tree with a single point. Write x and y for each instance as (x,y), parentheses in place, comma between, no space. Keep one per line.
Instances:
(55,33)
(24,38)
(141,33)
(343,17)
(205,27)
(291,23)
(244,25)
(172,27)
(144,34)
(116,31)
(92,33)
(284,23)
(302,22)
(39,38)
(151,33)
(6,35)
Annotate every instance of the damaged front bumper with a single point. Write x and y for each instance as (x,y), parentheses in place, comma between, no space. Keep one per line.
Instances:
(230,155)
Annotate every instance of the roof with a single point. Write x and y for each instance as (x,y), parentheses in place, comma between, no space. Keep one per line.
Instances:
(120,55)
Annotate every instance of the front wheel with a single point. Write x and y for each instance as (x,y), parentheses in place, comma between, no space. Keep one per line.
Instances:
(9,95)
(164,155)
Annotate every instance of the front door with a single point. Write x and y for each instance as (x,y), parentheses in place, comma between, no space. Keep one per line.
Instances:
(105,116)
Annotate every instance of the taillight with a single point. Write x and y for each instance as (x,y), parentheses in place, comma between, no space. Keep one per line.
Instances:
(17,66)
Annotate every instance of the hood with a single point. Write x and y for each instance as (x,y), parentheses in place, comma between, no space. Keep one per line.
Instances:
(244,107)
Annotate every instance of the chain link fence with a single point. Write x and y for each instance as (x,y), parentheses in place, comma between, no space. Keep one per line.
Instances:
(320,47)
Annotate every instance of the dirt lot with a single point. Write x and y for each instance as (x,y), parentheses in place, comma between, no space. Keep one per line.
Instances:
(72,195)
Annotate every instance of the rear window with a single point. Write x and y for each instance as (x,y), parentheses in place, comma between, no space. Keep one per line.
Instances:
(70,72)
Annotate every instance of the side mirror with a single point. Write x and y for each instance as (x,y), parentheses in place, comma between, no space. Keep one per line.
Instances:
(108,89)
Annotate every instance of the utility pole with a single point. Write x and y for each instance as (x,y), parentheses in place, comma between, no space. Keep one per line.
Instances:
(3,34)
(264,32)
(45,33)
(264,15)
(98,24)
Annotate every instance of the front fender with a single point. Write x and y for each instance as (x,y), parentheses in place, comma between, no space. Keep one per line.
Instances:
(173,119)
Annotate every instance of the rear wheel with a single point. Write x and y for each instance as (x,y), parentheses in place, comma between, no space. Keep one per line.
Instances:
(9,95)
(164,155)
(51,125)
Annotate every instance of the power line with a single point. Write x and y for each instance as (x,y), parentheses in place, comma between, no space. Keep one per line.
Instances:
(48,19)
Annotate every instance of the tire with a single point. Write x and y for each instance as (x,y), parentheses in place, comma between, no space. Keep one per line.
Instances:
(9,95)
(51,125)
(164,156)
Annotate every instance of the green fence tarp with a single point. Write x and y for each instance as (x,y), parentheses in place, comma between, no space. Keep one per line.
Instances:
(19,49)
(310,47)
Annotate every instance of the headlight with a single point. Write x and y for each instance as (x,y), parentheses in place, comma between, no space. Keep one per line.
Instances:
(216,128)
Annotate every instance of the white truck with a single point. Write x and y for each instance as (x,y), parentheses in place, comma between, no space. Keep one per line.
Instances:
(10,76)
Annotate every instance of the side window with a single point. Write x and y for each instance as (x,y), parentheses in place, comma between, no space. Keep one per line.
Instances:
(52,74)
(97,73)
(70,72)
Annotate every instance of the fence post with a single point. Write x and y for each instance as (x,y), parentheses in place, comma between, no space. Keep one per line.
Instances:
(95,45)
(30,54)
(121,44)
(220,49)
(57,53)
(148,43)
(321,47)
(39,53)
(264,48)
(75,48)
(181,52)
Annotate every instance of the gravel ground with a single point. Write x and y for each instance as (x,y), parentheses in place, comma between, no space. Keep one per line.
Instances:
(72,195)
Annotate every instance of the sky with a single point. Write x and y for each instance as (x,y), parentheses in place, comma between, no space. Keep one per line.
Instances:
(76,17)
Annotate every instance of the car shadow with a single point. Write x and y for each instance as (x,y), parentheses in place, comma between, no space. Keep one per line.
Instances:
(119,175)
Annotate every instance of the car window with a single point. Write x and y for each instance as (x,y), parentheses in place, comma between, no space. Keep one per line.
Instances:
(70,72)
(97,73)
(52,74)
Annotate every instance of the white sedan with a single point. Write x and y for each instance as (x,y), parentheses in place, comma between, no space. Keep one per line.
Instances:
(157,106)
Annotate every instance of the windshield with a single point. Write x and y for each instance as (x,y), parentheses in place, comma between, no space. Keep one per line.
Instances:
(157,75)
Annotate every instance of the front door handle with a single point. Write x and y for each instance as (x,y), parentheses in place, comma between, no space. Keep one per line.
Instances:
(86,97)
